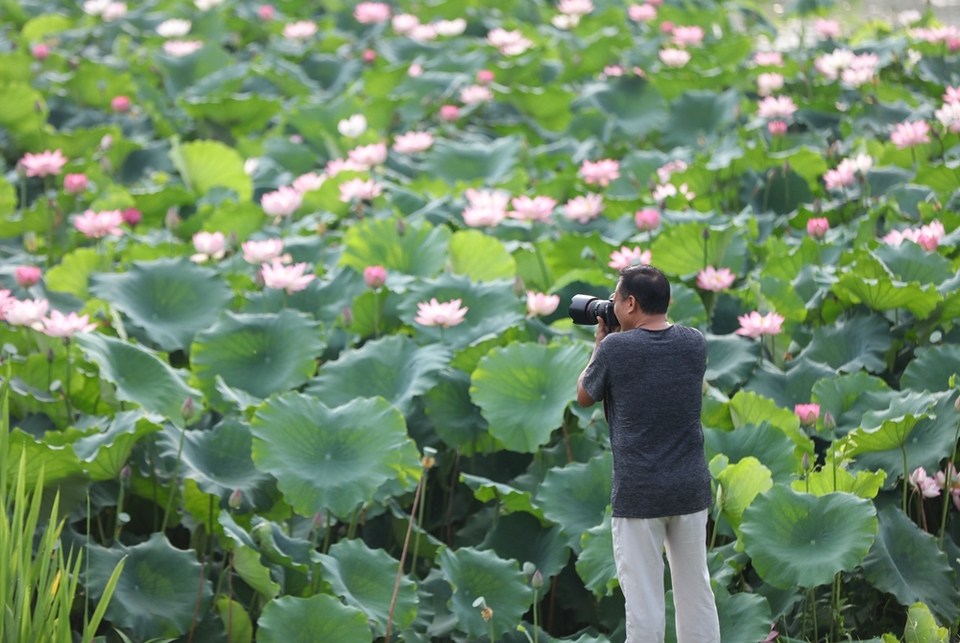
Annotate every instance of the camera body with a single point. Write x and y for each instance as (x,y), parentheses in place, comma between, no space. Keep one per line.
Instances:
(586,310)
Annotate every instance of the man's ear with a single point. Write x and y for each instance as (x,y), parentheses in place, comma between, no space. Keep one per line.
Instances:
(634,305)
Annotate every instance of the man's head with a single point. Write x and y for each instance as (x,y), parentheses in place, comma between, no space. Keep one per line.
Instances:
(648,286)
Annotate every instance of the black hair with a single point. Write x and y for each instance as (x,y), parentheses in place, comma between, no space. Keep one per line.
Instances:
(648,285)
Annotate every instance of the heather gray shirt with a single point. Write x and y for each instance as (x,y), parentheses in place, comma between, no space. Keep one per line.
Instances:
(652,382)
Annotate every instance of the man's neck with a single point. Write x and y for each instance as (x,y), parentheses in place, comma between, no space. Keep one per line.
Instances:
(649,322)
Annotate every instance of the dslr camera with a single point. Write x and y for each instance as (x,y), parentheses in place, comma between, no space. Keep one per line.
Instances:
(586,310)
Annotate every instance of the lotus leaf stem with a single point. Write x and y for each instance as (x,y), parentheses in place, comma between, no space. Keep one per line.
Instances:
(403,556)
(416,540)
(327,533)
(947,482)
(173,486)
(906,477)
(66,388)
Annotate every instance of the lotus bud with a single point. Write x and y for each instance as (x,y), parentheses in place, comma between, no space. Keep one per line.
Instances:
(120,104)
(26,276)
(369,56)
(40,52)
(542,340)
(805,462)
(125,474)
(318,520)
(236,499)
(956,404)
(829,423)
(38,107)
(50,356)
(187,409)
(706,233)
(132,217)
(519,288)
(429,458)
(528,568)
(232,239)
(537,581)
(347,316)
(266,13)
(30,241)
(401,227)
(172,219)
(106,142)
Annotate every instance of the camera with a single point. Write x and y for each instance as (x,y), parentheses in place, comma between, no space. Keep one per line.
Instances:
(586,310)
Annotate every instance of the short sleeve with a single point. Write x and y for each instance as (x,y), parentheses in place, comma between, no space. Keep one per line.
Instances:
(596,377)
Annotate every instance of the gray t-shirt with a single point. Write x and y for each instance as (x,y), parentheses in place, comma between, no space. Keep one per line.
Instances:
(652,382)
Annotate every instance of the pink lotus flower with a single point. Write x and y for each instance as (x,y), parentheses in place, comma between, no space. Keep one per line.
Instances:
(209,245)
(642,12)
(647,219)
(27,312)
(27,276)
(675,58)
(624,257)
(120,104)
(308,182)
(445,315)
(817,227)
(612,71)
(667,27)
(257,252)
(667,170)
(575,7)
(404,23)
(300,30)
(926,486)
(826,28)
(423,33)
(114,11)
(839,178)
(416,69)
(487,208)
(830,65)
(583,209)
(283,202)
(769,83)
(949,479)
(45,163)
(336,166)
(369,13)
(40,52)
(485,77)
(663,192)
(777,128)
(95,225)
(909,134)
(449,113)
(539,303)
(60,325)
(715,280)
(755,324)
(687,36)
(413,142)
(368,155)
(360,190)
(779,107)
(768,59)
(538,208)
(266,13)
(509,43)
(374,276)
(808,413)
(132,217)
(75,183)
(949,116)
(951,95)
(476,94)
(287,278)
(600,172)
(180,48)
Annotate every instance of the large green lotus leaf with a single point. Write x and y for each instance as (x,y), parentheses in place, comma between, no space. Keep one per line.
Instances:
(549,105)
(290,619)
(522,537)
(364,578)
(887,294)
(678,250)
(905,561)
(474,574)
(105,452)
(595,564)
(24,109)
(417,250)
(866,484)
(170,299)
(792,387)
(848,397)
(749,408)
(509,499)
(767,444)
(56,462)
(218,460)
(850,345)
(330,458)
(492,309)
(889,428)
(921,627)
(575,496)
(909,262)
(235,619)
(480,257)
(456,419)
(804,540)
(686,307)
(523,390)
(931,368)
(261,354)
(392,367)
(781,295)
(204,165)
(246,557)
(241,114)
(739,485)
(73,272)
(139,374)
(635,105)
(744,617)
(698,116)
(471,162)
(730,360)
(156,595)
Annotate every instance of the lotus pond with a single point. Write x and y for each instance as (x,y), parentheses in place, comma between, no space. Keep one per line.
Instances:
(286,354)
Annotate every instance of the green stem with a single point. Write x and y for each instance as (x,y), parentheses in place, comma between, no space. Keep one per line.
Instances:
(173,485)
(946,486)
(416,539)
(813,601)
(117,525)
(376,313)
(293,515)
(906,477)
(536,616)
(327,533)
(66,388)
(403,556)
(543,265)
(490,625)
(352,530)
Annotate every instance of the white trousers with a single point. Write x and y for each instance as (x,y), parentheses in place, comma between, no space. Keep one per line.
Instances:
(638,550)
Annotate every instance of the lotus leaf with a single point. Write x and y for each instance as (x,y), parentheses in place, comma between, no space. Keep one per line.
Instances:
(290,619)
(235,619)
(105,453)
(480,257)
(750,408)
(679,250)
(635,105)
(420,251)
(767,444)
(792,387)
(455,161)
(456,419)
(887,294)
(204,165)
(909,262)
(744,617)
(56,463)
(698,117)
(921,627)
(522,537)
(932,368)
(739,485)
(73,272)
(730,360)
(575,496)
(511,500)
(828,479)
(849,397)
(595,564)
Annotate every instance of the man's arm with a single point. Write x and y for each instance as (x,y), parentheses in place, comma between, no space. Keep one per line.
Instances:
(584,398)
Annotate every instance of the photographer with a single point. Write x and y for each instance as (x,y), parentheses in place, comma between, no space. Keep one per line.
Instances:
(650,378)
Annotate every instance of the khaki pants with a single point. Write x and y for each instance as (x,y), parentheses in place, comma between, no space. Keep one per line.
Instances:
(638,550)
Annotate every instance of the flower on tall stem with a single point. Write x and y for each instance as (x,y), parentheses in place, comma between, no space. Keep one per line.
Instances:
(60,325)
(45,163)
(257,252)
(374,276)
(808,413)
(539,303)
(817,227)
(96,225)
(26,312)
(538,208)
(209,245)
(290,279)
(756,325)
(443,314)
(624,257)
(715,280)
(600,172)
(27,276)
(910,135)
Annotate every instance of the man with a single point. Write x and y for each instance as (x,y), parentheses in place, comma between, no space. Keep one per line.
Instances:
(650,377)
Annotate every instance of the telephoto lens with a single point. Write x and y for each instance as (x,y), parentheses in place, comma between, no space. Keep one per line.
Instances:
(586,310)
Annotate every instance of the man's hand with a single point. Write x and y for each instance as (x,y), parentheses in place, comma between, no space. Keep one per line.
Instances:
(602,331)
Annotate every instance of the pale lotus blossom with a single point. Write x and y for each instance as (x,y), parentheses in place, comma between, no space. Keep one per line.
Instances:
(413,142)
(209,245)
(951,95)
(445,314)
(826,28)
(755,324)
(45,163)
(675,58)
(509,43)
(300,30)
(95,7)
(539,303)
(768,59)
(180,48)
(575,7)
(909,17)
(487,208)
(60,325)
(308,182)
(360,190)
(368,155)
(114,11)
(600,172)
(768,83)
(423,33)
(583,209)
(207,5)
(843,176)
(258,252)
(857,77)
(949,116)
(715,280)
(288,278)
(862,162)
(926,486)
(909,134)
(251,165)
(95,225)
(485,76)
(779,107)
(664,191)
(476,94)
(831,65)
(26,312)
(369,13)
(374,276)
(624,257)
(174,28)
(949,479)
(538,208)
(647,219)
(612,71)
(817,227)
(75,183)
(353,127)
(936,35)
(27,276)
(687,36)
(564,21)
(808,413)
(777,128)
(415,70)
(642,12)
(336,166)
(664,172)
(404,23)
(453,27)
(449,113)
(282,202)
